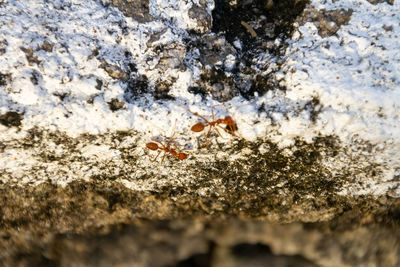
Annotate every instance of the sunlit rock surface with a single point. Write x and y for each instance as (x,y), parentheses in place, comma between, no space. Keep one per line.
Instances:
(307,175)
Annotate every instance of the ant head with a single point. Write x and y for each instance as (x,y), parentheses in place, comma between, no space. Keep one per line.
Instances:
(230,124)
(231,128)
(228,119)
(198,127)
(182,156)
(152,146)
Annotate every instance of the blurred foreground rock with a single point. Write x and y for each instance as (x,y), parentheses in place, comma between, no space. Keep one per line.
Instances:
(105,224)
(235,204)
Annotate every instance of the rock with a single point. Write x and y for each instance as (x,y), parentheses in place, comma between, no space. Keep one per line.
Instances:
(294,159)
(137,9)
(11,118)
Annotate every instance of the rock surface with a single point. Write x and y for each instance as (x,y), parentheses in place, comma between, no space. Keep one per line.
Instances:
(310,176)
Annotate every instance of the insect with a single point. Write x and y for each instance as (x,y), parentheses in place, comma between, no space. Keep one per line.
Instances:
(230,127)
(157,145)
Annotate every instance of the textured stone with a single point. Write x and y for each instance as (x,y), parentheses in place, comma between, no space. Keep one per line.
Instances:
(237,203)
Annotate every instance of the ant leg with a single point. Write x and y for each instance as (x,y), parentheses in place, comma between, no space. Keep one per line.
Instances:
(220,135)
(205,145)
(170,139)
(165,153)
(173,133)
(162,145)
(152,160)
(212,109)
(217,124)
(228,131)
(232,133)
(155,140)
(208,133)
(218,105)
(175,143)
(206,138)
(163,148)
(196,114)
(166,148)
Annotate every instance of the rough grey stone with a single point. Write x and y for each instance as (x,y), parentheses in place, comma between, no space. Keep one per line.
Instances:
(272,206)
(137,9)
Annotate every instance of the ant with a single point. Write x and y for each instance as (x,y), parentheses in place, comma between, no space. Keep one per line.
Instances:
(166,148)
(231,126)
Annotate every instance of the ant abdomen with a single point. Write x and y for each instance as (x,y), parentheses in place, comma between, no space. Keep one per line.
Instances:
(198,127)
(152,146)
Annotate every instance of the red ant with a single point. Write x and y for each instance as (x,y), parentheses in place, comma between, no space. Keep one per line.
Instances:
(166,149)
(231,126)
